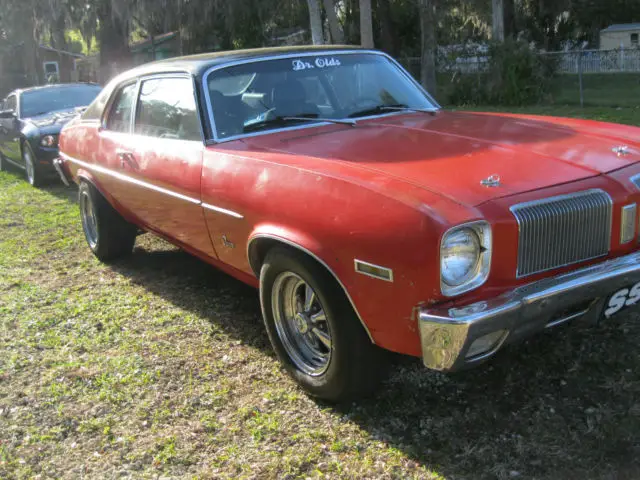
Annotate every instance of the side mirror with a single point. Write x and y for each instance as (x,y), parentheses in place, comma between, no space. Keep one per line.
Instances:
(7,114)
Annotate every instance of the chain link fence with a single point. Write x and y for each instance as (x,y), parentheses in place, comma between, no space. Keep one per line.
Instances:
(592,78)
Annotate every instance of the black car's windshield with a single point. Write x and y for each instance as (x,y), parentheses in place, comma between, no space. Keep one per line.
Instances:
(265,95)
(45,100)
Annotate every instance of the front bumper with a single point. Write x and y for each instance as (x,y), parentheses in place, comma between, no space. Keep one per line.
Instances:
(448,333)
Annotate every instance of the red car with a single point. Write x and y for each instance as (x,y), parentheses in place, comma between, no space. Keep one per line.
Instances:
(367,217)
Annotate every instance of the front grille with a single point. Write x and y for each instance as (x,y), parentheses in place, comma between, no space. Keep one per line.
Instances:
(559,231)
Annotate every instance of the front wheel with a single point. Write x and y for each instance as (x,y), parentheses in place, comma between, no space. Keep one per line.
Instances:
(108,234)
(314,330)
(32,170)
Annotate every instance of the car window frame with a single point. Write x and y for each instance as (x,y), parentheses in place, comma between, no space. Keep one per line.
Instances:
(160,76)
(108,109)
(215,139)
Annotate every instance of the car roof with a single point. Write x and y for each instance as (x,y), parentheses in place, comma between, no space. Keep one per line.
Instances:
(198,64)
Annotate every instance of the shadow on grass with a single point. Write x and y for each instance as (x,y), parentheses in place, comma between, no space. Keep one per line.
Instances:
(195,286)
(53,185)
(564,405)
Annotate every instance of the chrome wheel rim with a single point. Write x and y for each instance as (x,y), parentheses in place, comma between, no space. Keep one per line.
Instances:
(89,222)
(301,324)
(28,163)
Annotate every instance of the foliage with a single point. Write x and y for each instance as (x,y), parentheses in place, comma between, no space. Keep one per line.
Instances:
(514,75)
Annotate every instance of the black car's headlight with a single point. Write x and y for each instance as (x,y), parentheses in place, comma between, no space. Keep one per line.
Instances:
(49,141)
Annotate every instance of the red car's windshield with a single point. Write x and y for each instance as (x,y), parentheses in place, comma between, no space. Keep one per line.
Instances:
(264,95)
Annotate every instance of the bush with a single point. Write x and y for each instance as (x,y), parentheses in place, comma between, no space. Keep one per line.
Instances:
(514,75)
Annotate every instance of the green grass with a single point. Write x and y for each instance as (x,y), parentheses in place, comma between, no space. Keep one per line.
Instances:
(159,366)
(626,115)
(600,90)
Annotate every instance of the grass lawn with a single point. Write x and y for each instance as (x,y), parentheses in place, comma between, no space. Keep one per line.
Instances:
(626,115)
(159,366)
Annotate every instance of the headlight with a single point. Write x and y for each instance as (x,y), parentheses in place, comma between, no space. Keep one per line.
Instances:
(465,258)
(49,141)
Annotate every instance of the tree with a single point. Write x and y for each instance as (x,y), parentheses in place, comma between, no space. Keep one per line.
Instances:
(428,33)
(315,20)
(498,20)
(366,24)
(337,36)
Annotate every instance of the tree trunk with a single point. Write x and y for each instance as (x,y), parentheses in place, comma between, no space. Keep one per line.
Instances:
(498,20)
(115,56)
(509,19)
(315,19)
(337,36)
(428,30)
(387,30)
(366,24)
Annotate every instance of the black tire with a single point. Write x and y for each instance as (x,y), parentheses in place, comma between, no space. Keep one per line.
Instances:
(33,172)
(113,237)
(354,364)
(3,163)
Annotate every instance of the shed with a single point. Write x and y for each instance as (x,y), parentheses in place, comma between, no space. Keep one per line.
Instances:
(622,35)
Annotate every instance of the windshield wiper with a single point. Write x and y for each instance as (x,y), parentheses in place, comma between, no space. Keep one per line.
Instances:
(287,119)
(378,109)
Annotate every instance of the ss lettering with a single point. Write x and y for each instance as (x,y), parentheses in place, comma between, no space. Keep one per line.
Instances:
(623,298)
(634,295)
(616,302)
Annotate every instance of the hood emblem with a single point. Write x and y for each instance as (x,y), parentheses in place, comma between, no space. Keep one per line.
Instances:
(621,151)
(491,181)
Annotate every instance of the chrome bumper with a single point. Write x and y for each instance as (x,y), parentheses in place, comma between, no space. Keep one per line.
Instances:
(447,334)
(57,164)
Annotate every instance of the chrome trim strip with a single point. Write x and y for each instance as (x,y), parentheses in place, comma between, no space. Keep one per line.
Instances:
(320,261)
(205,88)
(538,218)
(134,181)
(231,213)
(140,183)
(359,263)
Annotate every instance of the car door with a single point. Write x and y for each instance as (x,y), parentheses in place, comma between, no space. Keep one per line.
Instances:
(10,131)
(162,159)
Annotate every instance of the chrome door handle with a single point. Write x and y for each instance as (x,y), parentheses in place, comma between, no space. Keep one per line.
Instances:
(124,156)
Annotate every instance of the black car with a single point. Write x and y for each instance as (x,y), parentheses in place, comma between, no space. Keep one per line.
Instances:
(30,121)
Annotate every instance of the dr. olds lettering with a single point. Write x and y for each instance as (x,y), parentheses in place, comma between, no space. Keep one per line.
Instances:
(320,62)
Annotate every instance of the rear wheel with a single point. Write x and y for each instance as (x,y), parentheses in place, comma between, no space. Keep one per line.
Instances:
(314,329)
(108,234)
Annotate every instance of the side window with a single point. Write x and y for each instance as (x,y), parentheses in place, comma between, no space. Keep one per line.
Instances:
(167,109)
(11,103)
(94,111)
(634,39)
(119,119)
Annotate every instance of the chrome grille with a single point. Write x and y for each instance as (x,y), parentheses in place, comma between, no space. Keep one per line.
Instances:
(562,230)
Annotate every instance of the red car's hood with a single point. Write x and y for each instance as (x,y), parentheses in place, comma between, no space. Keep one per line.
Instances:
(451,153)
